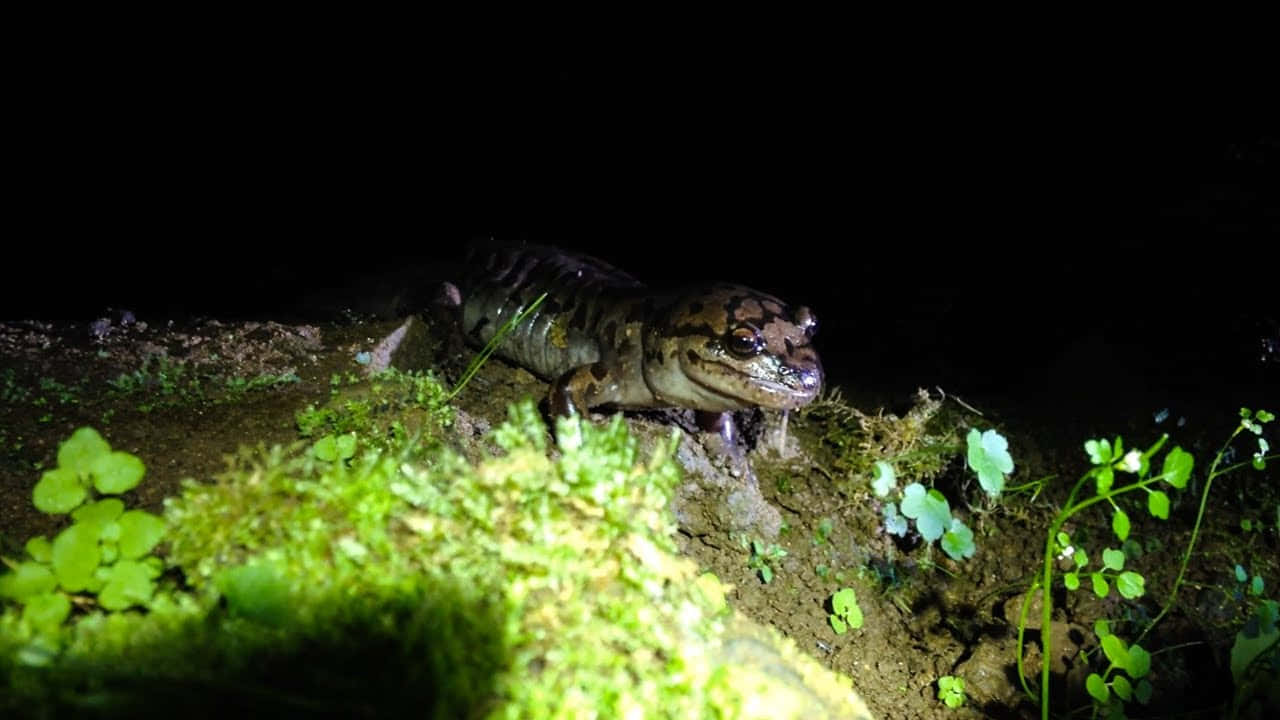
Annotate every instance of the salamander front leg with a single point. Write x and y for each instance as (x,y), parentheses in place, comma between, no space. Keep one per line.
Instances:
(581,389)
(722,439)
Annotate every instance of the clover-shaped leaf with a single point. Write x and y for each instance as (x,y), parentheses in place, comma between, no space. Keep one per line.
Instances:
(884,480)
(39,548)
(59,491)
(958,540)
(75,557)
(78,452)
(46,612)
(140,531)
(99,514)
(1099,451)
(989,457)
(26,580)
(130,583)
(894,524)
(1113,559)
(116,472)
(928,508)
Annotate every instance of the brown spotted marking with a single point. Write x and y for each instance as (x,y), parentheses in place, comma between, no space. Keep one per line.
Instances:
(605,339)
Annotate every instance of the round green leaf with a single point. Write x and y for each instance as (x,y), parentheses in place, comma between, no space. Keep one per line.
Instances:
(1120,524)
(1116,651)
(1104,477)
(884,480)
(117,472)
(140,532)
(326,448)
(1071,580)
(39,549)
(59,491)
(988,456)
(1139,662)
(26,580)
(1177,467)
(46,612)
(99,514)
(1099,451)
(1113,559)
(1143,691)
(1100,586)
(1097,688)
(957,542)
(346,445)
(130,584)
(855,617)
(75,557)
(78,452)
(838,625)
(1122,688)
(1131,584)
(1158,504)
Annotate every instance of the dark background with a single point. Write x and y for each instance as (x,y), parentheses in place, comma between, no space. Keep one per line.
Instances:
(989,224)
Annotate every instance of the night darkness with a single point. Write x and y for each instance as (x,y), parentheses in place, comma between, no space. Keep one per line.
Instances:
(1017,236)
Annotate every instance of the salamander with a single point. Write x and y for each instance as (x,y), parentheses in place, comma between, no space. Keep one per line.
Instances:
(601,338)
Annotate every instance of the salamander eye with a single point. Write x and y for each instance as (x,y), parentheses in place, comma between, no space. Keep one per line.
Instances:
(745,341)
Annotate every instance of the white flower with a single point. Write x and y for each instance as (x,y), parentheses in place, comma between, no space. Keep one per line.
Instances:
(1133,461)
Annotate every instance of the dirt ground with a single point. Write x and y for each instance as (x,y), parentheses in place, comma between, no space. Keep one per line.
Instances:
(926,616)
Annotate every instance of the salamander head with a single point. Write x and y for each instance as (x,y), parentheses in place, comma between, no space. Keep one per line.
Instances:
(728,347)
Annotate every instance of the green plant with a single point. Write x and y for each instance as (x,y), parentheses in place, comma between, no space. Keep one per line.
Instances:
(376,409)
(105,552)
(1255,662)
(988,456)
(163,382)
(1110,461)
(761,556)
(951,691)
(845,612)
(1255,585)
(1133,660)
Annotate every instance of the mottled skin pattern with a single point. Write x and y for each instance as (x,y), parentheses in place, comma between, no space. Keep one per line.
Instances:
(603,339)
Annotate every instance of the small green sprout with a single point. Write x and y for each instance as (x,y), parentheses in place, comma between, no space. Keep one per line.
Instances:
(885,479)
(929,508)
(951,691)
(761,557)
(332,448)
(845,612)
(822,534)
(1131,659)
(989,457)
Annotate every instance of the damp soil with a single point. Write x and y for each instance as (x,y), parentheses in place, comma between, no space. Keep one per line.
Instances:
(925,615)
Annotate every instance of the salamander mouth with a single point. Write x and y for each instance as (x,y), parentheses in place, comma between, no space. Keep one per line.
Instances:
(747,389)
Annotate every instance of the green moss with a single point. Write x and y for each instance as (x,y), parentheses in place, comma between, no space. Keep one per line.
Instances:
(383,410)
(409,581)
